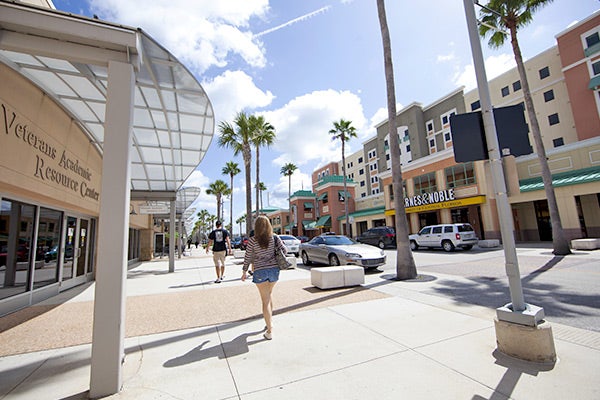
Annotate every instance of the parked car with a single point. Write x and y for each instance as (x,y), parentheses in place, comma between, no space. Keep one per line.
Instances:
(292,244)
(303,239)
(381,236)
(244,243)
(236,242)
(340,250)
(446,236)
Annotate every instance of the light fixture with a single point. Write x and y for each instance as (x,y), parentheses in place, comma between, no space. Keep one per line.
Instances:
(132,210)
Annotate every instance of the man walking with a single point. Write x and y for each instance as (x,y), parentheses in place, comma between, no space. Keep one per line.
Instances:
(219,241)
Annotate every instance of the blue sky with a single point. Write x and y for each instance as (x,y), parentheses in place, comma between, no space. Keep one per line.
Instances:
(306,63)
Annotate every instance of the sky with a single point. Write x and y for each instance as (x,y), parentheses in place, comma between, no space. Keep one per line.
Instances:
(304,64)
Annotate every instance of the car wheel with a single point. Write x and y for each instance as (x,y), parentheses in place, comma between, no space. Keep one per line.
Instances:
(447,245)
(413,245)
(305,259)
(334,260)
(468,247)
(381,245)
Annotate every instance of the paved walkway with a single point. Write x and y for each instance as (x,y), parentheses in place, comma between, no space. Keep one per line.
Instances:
(189,338)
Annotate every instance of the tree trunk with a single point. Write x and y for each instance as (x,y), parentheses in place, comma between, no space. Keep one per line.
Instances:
(405,263)
(345,188)
(231,205)
(290,202)
(257,179)
(559,241)
(247,155)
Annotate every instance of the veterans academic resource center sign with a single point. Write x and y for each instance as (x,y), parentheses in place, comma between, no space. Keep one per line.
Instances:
(52,165)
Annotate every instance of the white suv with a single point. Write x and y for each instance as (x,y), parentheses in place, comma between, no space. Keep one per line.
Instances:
(446,236)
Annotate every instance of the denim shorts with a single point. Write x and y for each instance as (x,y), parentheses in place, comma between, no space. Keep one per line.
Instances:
(266,274)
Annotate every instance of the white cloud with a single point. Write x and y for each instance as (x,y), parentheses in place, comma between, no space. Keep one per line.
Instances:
(234,91)
(494,66)
(303,125)
(201,33)
(445,58)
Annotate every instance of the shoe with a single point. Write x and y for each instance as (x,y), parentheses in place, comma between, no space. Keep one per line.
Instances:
(268,335)
(218,280)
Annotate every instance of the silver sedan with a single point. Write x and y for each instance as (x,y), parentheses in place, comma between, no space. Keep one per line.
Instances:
(340,250)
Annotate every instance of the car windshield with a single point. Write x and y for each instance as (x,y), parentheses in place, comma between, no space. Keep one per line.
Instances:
(287,237)
(464,228)
(338,240)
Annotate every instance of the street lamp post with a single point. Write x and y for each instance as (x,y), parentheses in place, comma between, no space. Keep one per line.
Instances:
(517,311)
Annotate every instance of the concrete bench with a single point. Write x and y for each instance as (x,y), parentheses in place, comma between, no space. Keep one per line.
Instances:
(238,253)
(336,277)
(585,244)
(488,243)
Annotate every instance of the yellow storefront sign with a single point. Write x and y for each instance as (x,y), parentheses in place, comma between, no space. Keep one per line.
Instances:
(446,204)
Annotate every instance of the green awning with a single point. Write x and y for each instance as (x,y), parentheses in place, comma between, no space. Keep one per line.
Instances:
(594,83)
(323,196)
(576,177)
(308,205)
(341,196)
(324,222)
(309,225)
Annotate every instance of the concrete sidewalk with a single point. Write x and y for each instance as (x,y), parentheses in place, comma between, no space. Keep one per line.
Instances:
(394,341)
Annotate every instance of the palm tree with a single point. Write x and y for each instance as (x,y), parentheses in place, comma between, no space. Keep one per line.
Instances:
(232,169)
(263,135)
(511,16)
(344,131)
(238,137)
(405,263)
(239,221)
(202,222)
(262,188)
(288,170)
(219,189)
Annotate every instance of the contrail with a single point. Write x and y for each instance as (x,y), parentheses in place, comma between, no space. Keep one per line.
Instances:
(293,21)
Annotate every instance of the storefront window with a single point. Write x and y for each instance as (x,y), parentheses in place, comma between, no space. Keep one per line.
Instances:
(425,183)
(48,244)
(460,175)
(16,235)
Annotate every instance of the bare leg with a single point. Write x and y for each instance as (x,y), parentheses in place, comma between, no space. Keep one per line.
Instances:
(266,289)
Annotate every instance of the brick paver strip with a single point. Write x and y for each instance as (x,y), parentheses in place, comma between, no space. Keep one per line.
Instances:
(46,327)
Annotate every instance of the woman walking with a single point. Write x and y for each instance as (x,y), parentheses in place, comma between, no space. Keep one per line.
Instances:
(260,252)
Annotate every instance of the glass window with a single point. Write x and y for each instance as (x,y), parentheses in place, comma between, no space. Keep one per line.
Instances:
(596,68)
(475,105)
(425,183)
(549,95)
(436,229)
(408,148)
(558,142)
(544,72)
(48,245)
(360,159)
(16,239)
(553,119)
(447,137)
(592,39)
(504,91)
(448,229)
(516,86)
(361,171)
(460,175)
(430,127)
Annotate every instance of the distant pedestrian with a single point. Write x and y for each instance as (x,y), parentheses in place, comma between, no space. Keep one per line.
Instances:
(219,242)
(260,252)
(189,242)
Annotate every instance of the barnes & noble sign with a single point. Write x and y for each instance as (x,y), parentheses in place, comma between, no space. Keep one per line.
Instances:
(52,166)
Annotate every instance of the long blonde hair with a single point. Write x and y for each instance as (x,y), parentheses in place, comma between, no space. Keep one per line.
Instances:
(263,231)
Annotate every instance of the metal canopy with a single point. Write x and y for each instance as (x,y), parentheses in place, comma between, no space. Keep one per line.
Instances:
(67,56)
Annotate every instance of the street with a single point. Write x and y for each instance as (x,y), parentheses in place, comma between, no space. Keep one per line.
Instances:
(567,287)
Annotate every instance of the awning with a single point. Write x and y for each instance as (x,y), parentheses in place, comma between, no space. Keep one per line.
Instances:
(584,175)
(594,83)
(309,225)
(324,222)
(343,195)
(308,205)
(173,122)
(323,196)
